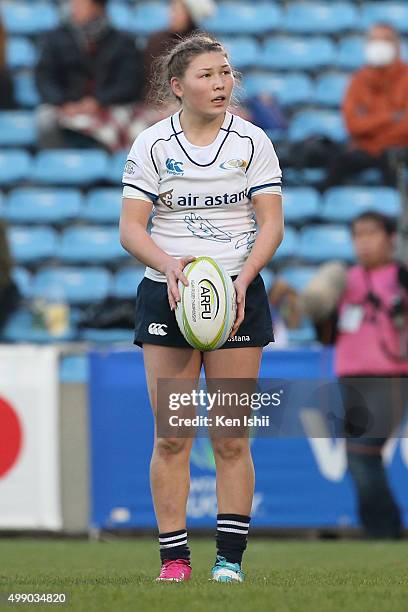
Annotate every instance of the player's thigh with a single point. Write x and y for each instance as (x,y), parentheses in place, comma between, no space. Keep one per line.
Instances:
(233,363)
(170,363)
(230,375)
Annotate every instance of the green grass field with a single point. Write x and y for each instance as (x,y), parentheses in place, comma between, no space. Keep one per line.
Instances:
(281,576)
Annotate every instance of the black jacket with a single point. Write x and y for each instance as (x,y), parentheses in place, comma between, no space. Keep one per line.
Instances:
(66,72)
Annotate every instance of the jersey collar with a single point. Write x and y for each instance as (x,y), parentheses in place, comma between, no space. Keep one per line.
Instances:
(215,147)
(177,129)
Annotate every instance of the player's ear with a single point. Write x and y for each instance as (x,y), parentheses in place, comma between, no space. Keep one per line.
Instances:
(176,87)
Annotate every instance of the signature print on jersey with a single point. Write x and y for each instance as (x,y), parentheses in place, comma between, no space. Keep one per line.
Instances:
(205,229)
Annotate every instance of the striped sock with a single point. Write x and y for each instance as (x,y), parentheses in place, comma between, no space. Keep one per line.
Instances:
(232,532)
(173,545)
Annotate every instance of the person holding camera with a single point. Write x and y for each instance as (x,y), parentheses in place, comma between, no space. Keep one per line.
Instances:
(364,311)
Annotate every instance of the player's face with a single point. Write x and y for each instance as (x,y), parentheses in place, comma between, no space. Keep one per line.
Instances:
(372,244)
(207,84)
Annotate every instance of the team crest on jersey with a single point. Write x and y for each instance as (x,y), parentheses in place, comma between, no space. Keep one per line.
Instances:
(130,167)
(166,198)
(174,167)
(231,164)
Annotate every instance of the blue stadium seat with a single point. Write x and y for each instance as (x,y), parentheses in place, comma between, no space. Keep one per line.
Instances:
(29,18)
(107,336)
(243,51)
(17,128)
(313,123)
(320,243)
(121,15)
(75,285)
(342,204)
(70,167)
(301,204)
(149,17)
(103,205)
(330,89)
(23,280)
(22,328)
(15,166)
(25,90)
(244,18)
(298,277)
(20,53)
(395,13)
(288,246)
(39,205)
(91,244)
(74,369)
(289,89)
(116,167)
(320,17)
(296,53)
(350,53)
(304,334)
(31,245)
(268,278)
(372,176)
(126,281)
(312,176)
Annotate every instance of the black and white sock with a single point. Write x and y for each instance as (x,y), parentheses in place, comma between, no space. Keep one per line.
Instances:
(173,545)
(232,532)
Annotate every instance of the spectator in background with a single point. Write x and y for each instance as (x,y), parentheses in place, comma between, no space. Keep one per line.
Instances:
(375,110)
(89,75)
(369,307)
(9,294)
(6,84)
(185,16)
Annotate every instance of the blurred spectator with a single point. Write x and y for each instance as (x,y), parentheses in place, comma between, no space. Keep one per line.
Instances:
(185,16)
(369,307)
(88,76)
(9,294)
(375,109)
(6,84)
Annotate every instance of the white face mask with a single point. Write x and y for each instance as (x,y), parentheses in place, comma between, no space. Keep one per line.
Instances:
(380,52)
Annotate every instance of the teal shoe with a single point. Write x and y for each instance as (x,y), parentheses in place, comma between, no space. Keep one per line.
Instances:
(223,571)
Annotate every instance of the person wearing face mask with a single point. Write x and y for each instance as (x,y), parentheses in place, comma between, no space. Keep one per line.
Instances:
(88,76)
(375,110)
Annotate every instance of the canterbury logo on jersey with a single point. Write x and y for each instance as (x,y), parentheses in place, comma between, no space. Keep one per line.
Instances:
(174,167)
(157,329)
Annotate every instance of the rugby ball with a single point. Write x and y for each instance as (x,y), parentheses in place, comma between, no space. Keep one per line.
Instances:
(207,308)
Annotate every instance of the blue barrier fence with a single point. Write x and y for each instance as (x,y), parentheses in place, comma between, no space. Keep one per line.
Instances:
(300,482)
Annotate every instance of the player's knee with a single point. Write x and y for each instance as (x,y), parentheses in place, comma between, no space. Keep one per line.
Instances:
(169,447)
(230,449)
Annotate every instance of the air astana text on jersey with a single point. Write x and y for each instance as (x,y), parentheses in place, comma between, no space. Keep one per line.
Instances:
(196,200)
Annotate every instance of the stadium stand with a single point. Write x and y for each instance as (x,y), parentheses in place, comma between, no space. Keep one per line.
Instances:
(62,206)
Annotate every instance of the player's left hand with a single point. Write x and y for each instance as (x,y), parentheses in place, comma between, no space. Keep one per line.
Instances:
(240,288)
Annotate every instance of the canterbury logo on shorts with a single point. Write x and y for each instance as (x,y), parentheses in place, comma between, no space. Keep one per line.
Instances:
(157,329)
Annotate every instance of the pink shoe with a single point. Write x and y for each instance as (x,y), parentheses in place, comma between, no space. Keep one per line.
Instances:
(176,570)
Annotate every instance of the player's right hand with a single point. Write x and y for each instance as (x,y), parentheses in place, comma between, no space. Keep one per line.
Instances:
(174,273)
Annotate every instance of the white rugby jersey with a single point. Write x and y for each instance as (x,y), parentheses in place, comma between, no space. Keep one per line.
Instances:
(202,195)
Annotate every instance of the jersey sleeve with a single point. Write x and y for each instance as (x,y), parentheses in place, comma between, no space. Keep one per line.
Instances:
(264,174)
(140,179)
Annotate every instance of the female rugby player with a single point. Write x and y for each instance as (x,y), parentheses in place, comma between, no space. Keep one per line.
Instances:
(209,177)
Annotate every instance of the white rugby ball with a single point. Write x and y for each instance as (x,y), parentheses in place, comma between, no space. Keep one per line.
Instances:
(207,308)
